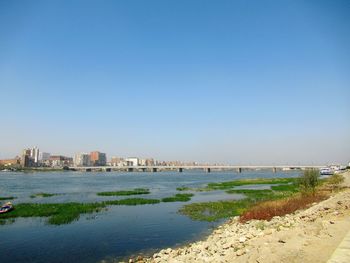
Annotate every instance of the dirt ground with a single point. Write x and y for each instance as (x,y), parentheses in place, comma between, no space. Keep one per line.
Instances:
(311,235)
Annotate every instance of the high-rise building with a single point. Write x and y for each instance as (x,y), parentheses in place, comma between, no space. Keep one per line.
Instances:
(82,159)
(98,159)
(26,159)
(34,154)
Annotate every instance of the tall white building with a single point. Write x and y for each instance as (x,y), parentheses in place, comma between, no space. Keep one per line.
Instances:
(82,159)
(34,154)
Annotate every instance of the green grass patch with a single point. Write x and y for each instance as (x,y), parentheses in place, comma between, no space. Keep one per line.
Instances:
(60,213)
(231,184)
(64,213)
(178,198)
(136,191)
(42,195)
(212,211)
(7,198)
(132,201)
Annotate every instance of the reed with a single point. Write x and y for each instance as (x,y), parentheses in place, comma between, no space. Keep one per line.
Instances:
(178,198)
(136,191)
(64,213)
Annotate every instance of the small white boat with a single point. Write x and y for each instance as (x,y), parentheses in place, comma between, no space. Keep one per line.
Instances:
(6,208)
(326,171)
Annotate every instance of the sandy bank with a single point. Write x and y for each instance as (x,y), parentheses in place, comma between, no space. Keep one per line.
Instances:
(305,236)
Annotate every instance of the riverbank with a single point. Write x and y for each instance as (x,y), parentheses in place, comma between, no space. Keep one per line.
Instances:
(310,235)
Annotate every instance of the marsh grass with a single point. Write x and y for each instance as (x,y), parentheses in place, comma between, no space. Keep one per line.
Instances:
(136,191)
(256,195)
(231,184)
(178,198)
(132,201)
(7,198)
(60,213)
(42,195)
(285,196)
(212,211)
(64,213)
(317,190)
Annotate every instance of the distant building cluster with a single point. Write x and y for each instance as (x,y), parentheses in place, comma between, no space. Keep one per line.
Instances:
(131,161)
(90,159)
(135,161)
(33,157)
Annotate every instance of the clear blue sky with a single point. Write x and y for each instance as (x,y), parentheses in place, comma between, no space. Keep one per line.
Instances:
(240,82)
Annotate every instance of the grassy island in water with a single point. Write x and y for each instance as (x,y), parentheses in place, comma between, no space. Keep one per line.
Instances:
(279,189)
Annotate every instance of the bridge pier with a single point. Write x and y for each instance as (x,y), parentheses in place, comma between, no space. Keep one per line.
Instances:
(154,170)
(143,169)
(108,169)
(88,170)
(130,169)
(239,170)
(207,170)
(180,170)
(274,169)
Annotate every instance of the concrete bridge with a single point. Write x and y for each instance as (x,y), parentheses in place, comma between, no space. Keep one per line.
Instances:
(206,168)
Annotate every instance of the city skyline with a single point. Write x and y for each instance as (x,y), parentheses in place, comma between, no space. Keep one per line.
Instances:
(38,156)
(260,83)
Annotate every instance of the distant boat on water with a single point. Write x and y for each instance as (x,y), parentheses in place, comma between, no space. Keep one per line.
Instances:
(326,171)
(6,208)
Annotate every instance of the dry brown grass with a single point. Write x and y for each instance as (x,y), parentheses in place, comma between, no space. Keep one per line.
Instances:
(267,210)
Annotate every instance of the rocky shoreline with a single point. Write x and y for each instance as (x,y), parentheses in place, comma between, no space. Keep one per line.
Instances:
(309,235)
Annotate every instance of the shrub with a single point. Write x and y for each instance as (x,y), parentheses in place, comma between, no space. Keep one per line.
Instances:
(267,210)
(308,181)
(336,180)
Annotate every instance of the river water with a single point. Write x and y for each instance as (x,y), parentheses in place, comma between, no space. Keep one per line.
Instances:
(116,233)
